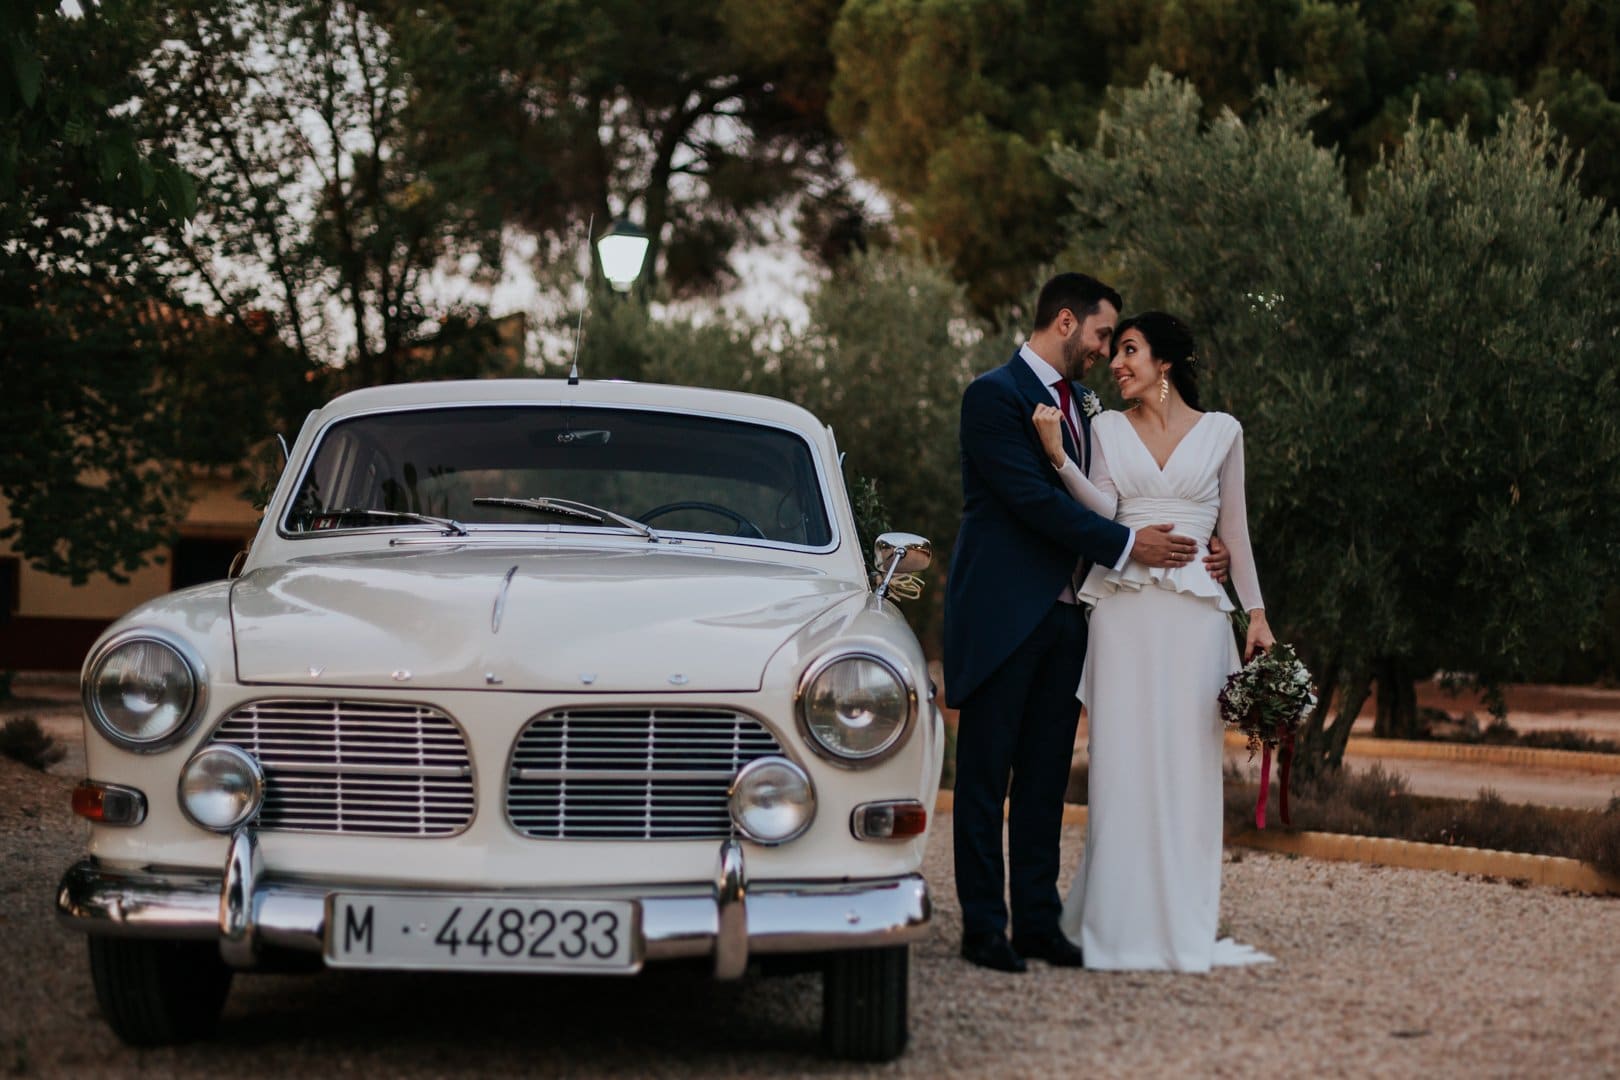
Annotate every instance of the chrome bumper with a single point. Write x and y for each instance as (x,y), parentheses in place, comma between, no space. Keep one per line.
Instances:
(728,920)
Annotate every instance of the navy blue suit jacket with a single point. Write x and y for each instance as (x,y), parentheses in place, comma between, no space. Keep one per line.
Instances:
(1021,534)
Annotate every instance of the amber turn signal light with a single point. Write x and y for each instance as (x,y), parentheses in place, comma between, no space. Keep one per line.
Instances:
(898,819)
(109,804)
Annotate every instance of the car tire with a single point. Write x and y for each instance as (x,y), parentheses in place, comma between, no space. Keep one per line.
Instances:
(863,1003)
(157,992)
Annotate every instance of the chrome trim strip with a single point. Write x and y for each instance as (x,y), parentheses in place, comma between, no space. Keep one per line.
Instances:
(677,921)
(362,771)
(731,913)
(829,507)
(896,667)
(625,774)
(500,601)
(199,691)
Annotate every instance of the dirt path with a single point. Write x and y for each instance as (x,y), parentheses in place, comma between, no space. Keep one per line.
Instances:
(1386,972)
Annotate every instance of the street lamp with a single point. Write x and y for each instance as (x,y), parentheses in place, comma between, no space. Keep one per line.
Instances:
(622,248)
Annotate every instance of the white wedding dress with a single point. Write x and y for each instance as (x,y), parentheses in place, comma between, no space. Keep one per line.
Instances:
(1160,649)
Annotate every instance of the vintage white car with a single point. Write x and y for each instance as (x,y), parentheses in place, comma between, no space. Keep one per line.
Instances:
(520,675)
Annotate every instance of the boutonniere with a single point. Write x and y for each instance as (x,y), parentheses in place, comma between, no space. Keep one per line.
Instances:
(1090,404)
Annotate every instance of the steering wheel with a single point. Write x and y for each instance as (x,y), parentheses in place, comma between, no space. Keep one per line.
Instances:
(745,527)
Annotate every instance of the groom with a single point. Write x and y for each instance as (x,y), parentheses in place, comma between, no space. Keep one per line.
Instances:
(1015,639)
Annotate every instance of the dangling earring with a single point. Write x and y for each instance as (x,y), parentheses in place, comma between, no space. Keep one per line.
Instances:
(1164,388)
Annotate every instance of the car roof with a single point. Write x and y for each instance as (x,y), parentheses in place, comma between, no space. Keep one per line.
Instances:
(559,391)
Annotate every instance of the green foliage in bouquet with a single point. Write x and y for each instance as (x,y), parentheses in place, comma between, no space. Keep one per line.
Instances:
(1269,698)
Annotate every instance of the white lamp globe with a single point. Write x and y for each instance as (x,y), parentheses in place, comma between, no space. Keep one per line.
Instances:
(622,249)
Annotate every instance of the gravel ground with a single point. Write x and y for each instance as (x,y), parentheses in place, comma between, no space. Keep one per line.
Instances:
(1381,971)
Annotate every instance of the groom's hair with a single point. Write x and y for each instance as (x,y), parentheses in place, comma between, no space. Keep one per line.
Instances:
(1080,293)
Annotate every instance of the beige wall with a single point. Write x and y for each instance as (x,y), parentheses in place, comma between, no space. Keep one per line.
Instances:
(218,510)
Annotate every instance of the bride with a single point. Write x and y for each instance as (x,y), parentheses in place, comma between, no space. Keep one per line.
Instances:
(1148,893)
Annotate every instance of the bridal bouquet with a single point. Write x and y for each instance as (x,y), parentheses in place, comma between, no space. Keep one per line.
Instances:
(1268,700)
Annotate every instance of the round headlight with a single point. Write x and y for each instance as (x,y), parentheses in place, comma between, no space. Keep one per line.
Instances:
(141,691)
(772,800)
(221,787)
(855,708)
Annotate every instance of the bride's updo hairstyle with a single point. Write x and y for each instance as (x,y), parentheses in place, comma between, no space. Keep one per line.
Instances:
(1170,340)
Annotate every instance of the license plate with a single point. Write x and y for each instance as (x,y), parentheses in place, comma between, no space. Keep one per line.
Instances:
(462,933)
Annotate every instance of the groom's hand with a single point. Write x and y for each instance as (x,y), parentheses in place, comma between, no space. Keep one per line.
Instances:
(1218,561)
(1156,545)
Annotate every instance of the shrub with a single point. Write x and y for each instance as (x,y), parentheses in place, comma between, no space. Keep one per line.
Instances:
(22,739)
(1377,803)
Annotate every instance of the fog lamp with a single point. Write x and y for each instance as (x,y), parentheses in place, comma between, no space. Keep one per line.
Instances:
(221,787)
(772,800)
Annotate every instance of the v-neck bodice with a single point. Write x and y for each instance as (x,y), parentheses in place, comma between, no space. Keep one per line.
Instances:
(1188,434)
(1186,492)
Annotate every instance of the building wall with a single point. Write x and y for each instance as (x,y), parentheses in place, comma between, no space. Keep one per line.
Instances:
(49,623)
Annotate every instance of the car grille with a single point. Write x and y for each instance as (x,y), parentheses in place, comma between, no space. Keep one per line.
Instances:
(631,774)
(365,768)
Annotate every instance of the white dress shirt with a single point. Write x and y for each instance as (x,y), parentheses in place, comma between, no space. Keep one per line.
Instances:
(1050,376)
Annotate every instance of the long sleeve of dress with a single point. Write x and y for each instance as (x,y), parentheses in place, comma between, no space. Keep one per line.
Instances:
(1232,525)
(1096,492)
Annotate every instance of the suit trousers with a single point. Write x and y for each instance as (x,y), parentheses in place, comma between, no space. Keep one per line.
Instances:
(1018,725)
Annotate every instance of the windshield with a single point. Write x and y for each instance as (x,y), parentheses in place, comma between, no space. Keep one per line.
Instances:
(508,466)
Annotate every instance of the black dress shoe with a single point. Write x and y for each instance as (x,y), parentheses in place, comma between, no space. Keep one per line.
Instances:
(1054,948)
(992,951)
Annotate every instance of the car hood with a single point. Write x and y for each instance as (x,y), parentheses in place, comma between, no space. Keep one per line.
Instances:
(607,621)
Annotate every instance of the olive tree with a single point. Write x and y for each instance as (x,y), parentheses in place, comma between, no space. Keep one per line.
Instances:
(1426,380)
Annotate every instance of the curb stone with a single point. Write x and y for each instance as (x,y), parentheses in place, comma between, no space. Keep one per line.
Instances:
(1559,873)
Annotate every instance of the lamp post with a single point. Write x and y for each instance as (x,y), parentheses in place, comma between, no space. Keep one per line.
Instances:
(622,248)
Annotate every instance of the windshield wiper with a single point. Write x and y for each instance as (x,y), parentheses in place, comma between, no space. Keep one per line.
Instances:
(451,528)
(570,508)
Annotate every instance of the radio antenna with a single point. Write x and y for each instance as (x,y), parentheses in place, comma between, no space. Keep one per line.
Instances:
(579,329)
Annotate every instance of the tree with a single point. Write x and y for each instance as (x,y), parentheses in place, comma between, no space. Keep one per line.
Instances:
(138,344)
(1427,380)
(81,344)
(699,118)
(951,107)
(61,131)
(294,117)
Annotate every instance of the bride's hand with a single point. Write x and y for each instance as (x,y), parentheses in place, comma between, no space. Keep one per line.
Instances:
(1049,425)
(1260,636)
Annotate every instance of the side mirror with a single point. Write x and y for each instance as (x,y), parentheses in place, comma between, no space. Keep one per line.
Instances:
(900,553)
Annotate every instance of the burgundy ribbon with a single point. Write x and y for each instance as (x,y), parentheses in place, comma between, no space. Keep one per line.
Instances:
(1265,787)
(1285,762)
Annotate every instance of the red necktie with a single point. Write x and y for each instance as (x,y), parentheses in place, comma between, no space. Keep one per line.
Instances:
(1065,396)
